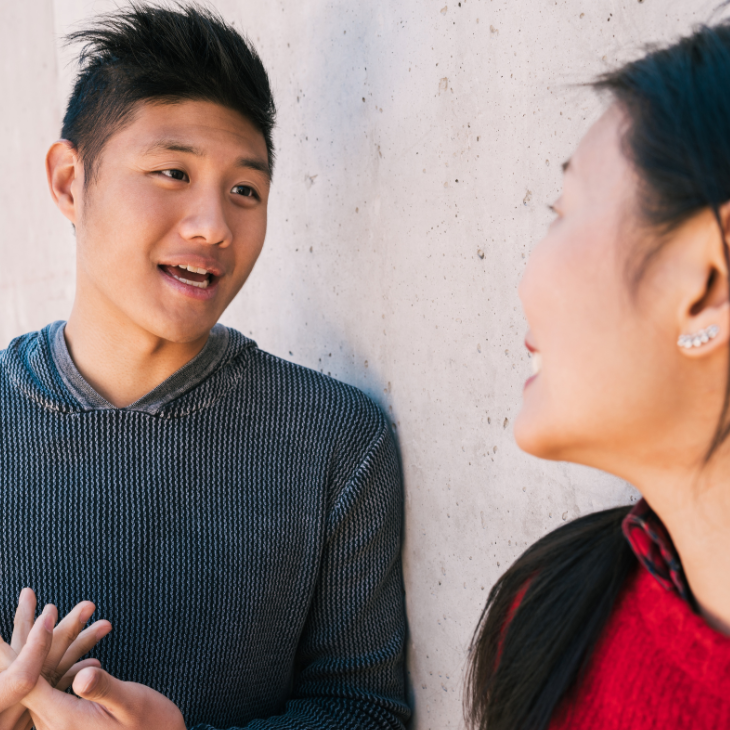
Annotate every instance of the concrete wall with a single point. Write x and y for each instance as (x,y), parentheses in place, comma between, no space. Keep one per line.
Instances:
(419,143)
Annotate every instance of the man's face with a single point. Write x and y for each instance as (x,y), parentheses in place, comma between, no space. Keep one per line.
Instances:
(172,224)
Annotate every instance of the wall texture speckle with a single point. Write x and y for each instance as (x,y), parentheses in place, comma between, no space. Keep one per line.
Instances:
(419,143)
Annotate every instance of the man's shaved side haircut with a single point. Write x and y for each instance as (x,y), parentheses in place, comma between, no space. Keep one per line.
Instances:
(152,54)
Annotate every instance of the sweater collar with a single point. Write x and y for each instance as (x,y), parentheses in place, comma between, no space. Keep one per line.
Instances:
(183,380)
(655,550)
(31,366)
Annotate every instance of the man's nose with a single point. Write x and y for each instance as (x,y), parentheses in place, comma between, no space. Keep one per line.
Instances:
(206,221)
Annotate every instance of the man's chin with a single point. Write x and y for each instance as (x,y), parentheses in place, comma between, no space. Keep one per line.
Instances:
(183,332)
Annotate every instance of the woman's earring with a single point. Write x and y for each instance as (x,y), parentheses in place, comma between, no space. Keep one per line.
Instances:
(699,338)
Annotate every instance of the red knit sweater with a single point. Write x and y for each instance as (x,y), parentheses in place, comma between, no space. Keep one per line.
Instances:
(657,665)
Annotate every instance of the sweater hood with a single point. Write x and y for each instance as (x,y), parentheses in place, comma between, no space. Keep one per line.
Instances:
(39,366)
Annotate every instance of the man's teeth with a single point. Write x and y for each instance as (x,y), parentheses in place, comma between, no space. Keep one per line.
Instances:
(193,269)
(536,362)
(199,284)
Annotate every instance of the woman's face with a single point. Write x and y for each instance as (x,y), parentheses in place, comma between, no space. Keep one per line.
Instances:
(612,390)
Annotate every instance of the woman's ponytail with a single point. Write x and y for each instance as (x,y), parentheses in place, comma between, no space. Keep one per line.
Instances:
(529,650)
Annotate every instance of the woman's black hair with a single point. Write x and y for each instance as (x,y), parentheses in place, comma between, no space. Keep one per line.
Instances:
(530,651)
(522,665)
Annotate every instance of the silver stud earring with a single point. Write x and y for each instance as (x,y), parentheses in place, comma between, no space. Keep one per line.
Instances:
(698,338)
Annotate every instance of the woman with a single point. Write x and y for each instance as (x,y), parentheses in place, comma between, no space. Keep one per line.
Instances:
(621,619)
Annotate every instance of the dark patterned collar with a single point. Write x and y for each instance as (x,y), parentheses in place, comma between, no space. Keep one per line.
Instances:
(655,550)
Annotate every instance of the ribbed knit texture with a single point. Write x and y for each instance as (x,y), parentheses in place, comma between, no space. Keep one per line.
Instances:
(658,665)
(243,541)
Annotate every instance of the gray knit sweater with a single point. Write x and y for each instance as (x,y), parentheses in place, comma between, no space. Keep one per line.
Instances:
(240,527)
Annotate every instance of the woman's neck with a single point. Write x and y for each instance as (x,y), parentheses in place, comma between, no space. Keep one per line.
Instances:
(695,509)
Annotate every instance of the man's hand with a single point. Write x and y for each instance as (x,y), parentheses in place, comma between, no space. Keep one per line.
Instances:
(103,703)
(20,671)
(54,653)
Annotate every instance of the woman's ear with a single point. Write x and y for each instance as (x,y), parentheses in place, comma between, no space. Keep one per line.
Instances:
(704,316)
(65,177)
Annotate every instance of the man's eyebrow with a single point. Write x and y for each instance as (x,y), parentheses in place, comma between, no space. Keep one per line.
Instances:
(566,166)
(254,163)
(171,145)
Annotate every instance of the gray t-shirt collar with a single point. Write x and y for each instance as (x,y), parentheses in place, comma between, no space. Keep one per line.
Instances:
(186,378)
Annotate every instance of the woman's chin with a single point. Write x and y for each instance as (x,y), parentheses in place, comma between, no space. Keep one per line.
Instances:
(536,436)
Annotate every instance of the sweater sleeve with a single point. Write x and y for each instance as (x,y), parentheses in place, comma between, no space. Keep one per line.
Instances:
(350,666)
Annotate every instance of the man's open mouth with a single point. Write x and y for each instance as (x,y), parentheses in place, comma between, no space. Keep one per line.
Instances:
(199,278)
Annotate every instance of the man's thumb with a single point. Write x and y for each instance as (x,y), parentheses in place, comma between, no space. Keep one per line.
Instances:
(96,685)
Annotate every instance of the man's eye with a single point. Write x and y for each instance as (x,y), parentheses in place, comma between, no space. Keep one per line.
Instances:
(174,174)
(244,190)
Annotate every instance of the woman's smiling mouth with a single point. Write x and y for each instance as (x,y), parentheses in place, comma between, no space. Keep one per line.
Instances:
(535,359)
(536,363)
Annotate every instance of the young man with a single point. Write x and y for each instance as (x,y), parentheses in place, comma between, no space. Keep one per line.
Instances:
(235,517)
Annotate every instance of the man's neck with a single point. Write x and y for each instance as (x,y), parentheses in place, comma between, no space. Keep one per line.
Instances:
(121,361)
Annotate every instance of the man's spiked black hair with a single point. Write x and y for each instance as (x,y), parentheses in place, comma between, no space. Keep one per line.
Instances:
(146,53)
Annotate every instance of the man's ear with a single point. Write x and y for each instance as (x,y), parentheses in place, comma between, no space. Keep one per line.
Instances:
(706,305)
(65,177)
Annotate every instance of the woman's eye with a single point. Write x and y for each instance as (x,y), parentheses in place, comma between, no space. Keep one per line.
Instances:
(174,174)
(245,191)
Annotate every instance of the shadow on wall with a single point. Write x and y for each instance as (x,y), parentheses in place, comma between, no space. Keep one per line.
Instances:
(346,195)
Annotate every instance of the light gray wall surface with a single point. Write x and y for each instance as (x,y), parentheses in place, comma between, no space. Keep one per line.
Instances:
(419,143)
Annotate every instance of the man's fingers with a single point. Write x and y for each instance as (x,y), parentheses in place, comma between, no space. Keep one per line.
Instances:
(22,624)
(67,680)
(85,642)
(49,704)
(95,685)
(25,722)
(16,718)
(24,616)
(100,687)
(65,634)
(22,675)
(7,655)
